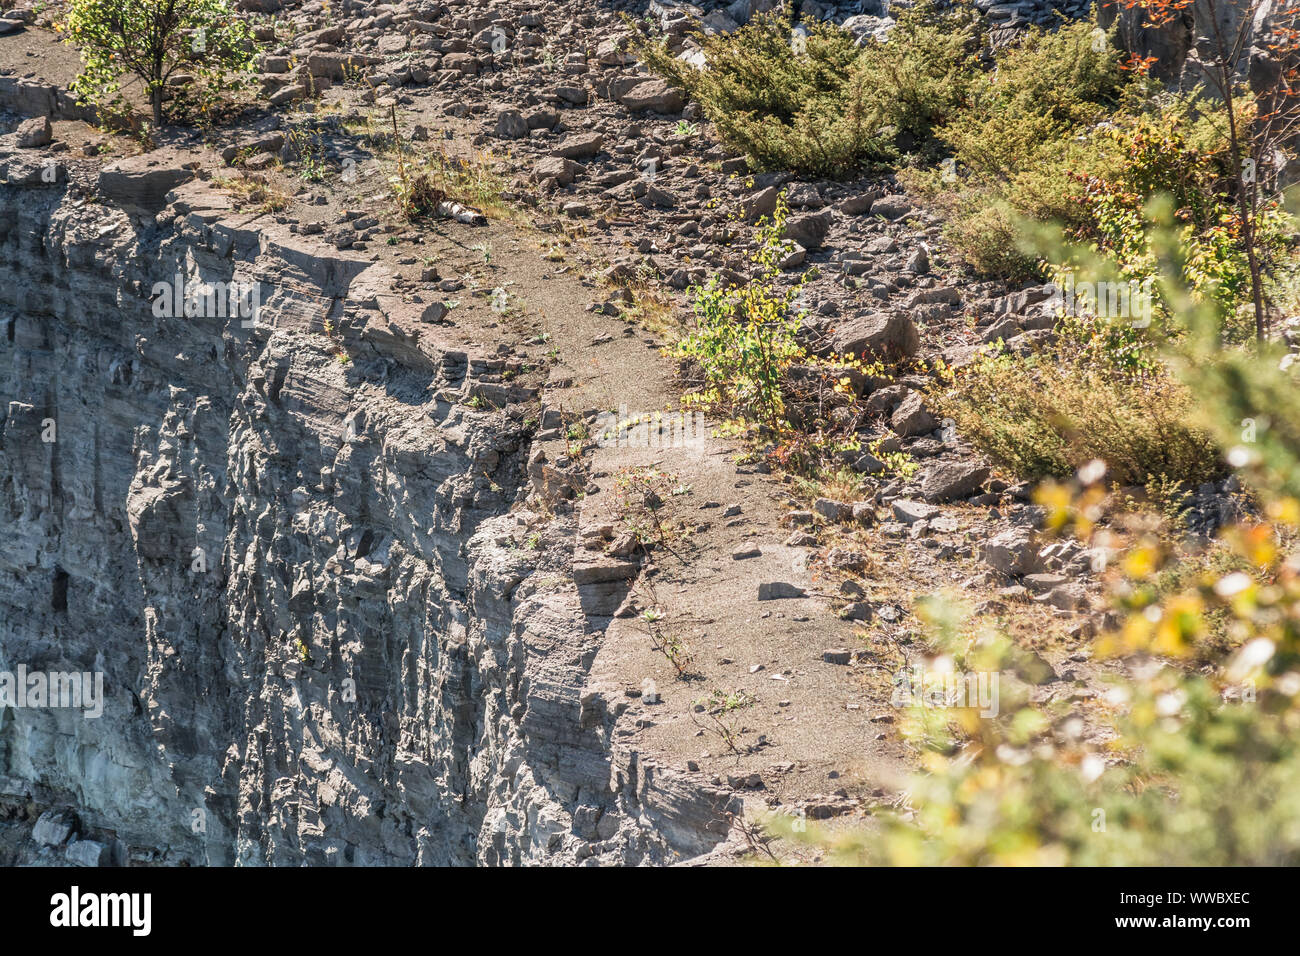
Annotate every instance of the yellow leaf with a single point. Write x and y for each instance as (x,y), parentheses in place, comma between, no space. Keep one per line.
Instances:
(934,762)
(1286,511)
(1140,562)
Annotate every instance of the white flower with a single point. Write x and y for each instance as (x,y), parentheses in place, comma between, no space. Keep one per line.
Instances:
(1232,584)
(1240,456)
(1289,683)
(1252,656)
(1010,755)
(1092,472)
(1167,705)
(1092,767)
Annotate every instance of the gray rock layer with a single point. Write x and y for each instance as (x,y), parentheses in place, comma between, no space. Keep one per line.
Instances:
(300,577)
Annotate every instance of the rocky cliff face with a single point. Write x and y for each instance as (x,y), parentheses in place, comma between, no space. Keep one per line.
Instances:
(299,573)
(1193,37)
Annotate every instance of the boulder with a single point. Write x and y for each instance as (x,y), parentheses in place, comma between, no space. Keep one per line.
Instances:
(34,133)
(54,827)
(600,570)
(1013,552)
(464,63)
(289,94)
(947,480)
(760,204)
(30,97)
(859,204)
(794,258)
(830,509)
(879,335)
(655,95)
(32,171)
(573,95)
(846,559)
(809,230)
(868,464)
(935,295)
(919,262)
(562,170)
(1041,583)
(269,142)
(912,418)
(336,66)
(857,611)
(88,853)
(1071,596)
(891,207)
(909,512)
(510,125)
(778,590)
(863,513)
(581,146)
(156,517)
(542,118)
(612,51)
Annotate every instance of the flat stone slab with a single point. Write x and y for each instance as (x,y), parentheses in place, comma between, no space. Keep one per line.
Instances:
(141,183)
(776,590)
(599,572)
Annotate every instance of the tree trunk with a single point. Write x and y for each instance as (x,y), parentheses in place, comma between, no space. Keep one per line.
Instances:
(157,99)
(1256,286)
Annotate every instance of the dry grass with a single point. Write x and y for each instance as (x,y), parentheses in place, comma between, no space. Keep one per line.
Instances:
(649,308)
(255,191)
(1041,419)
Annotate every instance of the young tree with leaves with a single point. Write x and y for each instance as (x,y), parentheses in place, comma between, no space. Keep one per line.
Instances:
(1263,124)
(153,40)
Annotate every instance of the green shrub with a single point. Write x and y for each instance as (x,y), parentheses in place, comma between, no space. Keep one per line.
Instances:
(1044,416)
(1060,133)
(1023,116)
(1198,780)
(985,228)
(808,112)
(1051,85)
(1018,142)
(922,77)
(744,336)
(1177,150)
(823,106)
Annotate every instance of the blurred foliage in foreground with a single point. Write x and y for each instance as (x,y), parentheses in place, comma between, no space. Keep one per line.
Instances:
(1194,764)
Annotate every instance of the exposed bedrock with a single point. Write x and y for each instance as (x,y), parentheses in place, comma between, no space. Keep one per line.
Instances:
(290,549)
